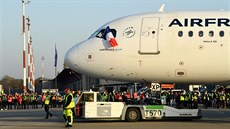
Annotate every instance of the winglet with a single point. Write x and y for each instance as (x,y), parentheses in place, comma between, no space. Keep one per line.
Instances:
(162,8)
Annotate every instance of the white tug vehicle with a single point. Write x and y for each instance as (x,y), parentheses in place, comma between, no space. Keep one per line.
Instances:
(90,105)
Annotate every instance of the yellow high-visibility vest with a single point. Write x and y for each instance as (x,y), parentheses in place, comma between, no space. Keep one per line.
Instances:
(47,100)
(206,97)
(194,98)
(181,98)
(71,105)
(186,98)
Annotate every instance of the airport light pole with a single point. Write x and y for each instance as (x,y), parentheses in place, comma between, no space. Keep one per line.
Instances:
(29,59)
(24,44)
(32,66)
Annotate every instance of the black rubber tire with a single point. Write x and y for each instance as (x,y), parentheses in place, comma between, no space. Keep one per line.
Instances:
(132,115)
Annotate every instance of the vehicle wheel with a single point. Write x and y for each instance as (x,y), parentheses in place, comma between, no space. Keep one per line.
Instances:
(132,115)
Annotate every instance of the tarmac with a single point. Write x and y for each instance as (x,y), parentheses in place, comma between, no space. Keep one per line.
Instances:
(34,119)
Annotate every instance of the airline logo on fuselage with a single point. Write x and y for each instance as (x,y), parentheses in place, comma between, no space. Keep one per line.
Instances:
(198,22)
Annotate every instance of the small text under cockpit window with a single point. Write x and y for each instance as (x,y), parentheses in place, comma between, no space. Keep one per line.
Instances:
(100,33)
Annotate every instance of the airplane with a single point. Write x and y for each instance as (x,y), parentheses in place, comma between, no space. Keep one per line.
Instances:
(162,47)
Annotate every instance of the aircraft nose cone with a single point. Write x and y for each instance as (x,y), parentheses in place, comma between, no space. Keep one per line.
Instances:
(71,58)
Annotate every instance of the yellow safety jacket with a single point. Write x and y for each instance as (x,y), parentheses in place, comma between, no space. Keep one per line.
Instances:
(194,98)
(24,97)
(222,97)
(186,98)
(71,105)
(206,97)
(47,100)
(181,98)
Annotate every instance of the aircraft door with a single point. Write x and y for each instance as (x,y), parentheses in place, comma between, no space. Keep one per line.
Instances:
(149,36)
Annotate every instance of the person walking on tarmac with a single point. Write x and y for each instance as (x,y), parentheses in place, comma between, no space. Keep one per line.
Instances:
(68,105)
(47,106)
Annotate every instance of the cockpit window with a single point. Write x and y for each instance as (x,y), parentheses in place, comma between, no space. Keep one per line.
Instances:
(100,33)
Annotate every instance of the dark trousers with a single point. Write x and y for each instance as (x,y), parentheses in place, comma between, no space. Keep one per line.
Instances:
(205,104)
(195,104)
(9,105)
(47,111)
(4,104)
(24,104)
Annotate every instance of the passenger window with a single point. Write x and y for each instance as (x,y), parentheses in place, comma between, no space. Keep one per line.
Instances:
(211,34)
(180,33)
(221,33)
(190,33)
(201,33)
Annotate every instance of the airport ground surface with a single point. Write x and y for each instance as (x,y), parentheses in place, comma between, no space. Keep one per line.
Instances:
(34,119)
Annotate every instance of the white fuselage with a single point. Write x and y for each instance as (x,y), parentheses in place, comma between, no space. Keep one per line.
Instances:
(156,47)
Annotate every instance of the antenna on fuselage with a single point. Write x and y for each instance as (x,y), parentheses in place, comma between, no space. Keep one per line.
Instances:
(162,8)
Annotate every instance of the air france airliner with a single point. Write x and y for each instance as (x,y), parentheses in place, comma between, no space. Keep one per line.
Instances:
(162,47)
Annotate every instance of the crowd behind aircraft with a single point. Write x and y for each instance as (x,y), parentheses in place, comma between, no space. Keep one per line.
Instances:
(218,98)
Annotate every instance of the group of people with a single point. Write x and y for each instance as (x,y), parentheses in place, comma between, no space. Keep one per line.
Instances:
(174,99)
(181,100)
(47,100)
(215,99)
(189,100)
(28,101)
(18,101)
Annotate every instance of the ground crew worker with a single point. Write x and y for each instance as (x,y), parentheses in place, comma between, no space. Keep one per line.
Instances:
(186,99)
(217,100)
(47,106)
(4,101)
(27,101)
(214,99)
(206,99)
(10,101)
(168,97)
(190,100)
(20,102)
(177,99)
(68,105)
(195,101)
(32,101)
(182,101)
(24,100)
(135,95)
(223,99)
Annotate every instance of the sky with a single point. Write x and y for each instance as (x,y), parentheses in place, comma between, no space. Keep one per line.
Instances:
(68,22)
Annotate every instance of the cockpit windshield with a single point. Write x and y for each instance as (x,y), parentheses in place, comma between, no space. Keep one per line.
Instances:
(100,33)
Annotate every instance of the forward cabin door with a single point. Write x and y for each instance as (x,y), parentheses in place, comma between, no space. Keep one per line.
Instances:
(149,35)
